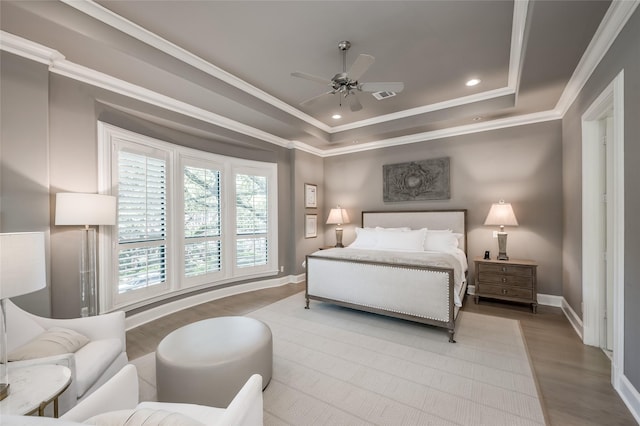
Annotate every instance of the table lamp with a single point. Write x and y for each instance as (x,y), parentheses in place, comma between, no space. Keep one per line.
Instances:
(86,209)
(338,216)
(501,214)
(22,271)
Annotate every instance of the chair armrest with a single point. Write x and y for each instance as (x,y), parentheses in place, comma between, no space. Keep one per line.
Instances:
(119,393)
(246,407)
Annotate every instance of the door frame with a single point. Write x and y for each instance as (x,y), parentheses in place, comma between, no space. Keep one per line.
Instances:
(592,312)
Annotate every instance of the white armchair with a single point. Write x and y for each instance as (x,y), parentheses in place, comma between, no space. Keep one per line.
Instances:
(115,402)
(121,393)
(92,365)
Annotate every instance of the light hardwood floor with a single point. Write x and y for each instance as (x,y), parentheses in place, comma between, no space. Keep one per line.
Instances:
(573,379)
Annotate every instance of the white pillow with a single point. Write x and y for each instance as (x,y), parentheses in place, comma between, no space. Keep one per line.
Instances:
(54,341)
(140,417)
(407,240)
(441,240)
(366,238)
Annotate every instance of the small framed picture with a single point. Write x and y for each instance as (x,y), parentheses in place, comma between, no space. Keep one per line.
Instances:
(310,196)
(310,225)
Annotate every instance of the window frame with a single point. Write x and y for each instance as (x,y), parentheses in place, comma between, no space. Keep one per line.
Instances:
(110,139)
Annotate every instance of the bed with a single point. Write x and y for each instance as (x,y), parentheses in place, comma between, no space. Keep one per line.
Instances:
(402,264)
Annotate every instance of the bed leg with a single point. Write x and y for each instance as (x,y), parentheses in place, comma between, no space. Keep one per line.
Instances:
(451,333)
(307,305)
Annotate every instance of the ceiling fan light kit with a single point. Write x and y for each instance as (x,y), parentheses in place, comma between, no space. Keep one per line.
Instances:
(346,83)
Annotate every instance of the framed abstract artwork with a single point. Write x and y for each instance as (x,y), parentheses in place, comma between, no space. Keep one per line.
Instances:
(416,180)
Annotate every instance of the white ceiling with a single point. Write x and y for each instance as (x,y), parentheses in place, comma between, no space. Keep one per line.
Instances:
(524,52)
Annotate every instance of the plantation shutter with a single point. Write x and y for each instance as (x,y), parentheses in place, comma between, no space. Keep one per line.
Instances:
(142,221)
(251,220)
(202,221)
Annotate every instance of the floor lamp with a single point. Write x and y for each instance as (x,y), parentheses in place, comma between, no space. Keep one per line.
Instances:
(22,271)
(87,210)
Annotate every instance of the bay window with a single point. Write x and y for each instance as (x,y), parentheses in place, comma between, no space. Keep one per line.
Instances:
(186,219)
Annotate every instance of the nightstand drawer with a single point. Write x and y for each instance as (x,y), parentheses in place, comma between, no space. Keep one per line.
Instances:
(523,271)
(520,293)
(513,280)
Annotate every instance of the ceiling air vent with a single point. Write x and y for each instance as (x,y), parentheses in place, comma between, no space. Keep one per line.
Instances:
(383,95)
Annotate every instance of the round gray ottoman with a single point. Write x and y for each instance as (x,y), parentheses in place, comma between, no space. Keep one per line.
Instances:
(207,362)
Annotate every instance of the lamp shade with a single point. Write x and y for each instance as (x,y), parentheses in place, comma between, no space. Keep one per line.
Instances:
(338,216)
(22,263)
(501,214)
(85,209)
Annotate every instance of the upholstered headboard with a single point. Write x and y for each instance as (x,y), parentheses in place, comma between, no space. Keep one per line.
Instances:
(455,220)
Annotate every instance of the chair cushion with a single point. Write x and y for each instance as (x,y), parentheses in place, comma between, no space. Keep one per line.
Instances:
(55,341)
(93,359)
(142,416)
(202,413)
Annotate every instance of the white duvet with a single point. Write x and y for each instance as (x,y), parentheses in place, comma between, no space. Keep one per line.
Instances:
(454,259)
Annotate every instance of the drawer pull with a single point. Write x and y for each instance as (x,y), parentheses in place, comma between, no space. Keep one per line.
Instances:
(503,269)
(504,291)
(504,280)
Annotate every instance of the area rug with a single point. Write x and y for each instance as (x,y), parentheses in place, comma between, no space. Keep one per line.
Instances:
(337,366)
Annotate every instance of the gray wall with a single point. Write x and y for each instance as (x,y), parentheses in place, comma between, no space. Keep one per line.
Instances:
(308,168)
(522,165)
(24,157)
(623,54)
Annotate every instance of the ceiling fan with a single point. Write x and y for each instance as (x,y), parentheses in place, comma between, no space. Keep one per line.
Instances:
(346,83)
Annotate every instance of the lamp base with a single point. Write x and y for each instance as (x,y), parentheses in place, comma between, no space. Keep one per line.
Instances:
(4,390)
(502,246)
(339,238)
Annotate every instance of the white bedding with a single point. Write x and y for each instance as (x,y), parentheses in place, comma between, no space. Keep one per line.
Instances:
(454,259)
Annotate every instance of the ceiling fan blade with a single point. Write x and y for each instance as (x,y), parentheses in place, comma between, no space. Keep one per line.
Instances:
(315,98)
(355,104)
(396,87)
(311,77)
(360,66)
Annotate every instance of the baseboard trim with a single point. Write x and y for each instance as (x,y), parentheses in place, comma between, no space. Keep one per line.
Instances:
(543,299)
(152,314)
(630,396)
(574,319)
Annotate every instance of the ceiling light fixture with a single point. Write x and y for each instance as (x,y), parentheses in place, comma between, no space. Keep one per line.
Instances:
(473,82)
(336,116)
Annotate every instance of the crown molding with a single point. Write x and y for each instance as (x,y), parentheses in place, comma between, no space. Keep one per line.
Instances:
(503,123)
(477,97)
(28,49)
(614,20)
(520,10)
(104,15)
(59,65)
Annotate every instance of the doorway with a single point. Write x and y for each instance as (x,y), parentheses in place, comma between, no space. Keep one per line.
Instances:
(603,225)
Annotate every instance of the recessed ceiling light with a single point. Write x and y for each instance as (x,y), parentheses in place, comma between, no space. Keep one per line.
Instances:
(472,82)
(478,118)
(336,116)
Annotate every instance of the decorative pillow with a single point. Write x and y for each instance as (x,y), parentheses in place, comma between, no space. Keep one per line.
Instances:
(365,238)
(440,240)
(142,416)
(407,240)
(55,341)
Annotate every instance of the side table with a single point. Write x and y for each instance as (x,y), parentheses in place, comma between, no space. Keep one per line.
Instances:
(513,280)
(34,387)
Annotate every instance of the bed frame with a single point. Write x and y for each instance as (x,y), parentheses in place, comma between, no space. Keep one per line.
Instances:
(376,287)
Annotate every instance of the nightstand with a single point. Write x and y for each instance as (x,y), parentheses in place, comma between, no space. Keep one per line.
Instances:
(513,280)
